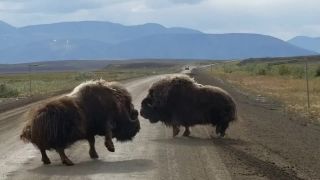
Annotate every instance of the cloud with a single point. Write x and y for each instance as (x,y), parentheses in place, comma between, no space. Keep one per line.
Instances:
(186,1)
(281,18)
(54,6)
(8,6)
(60,6)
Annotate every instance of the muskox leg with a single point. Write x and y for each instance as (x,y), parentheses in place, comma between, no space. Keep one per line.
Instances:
(92,152)
(65,160)
(221,129)
(186,131)
(175,130)
(217,129)
(108,141)
(44,158)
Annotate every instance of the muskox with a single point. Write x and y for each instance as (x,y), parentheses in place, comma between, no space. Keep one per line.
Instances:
(180,101)
(92,108)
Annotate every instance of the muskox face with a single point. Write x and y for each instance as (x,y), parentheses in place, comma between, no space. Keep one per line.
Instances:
(128,125)
(149,110)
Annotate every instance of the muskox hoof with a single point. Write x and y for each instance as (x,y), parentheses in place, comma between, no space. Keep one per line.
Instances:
(109,146)
(218,130)
(186,133)
(175,132)
(93,155)
(46,161)
(111,149)
(67,162)
(222,135)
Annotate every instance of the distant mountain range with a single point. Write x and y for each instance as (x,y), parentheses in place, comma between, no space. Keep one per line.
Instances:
(311,43)
(95,40)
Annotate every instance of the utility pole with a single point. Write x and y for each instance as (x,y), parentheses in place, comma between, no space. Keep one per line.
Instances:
(29,70)
(307,83)
(30,79)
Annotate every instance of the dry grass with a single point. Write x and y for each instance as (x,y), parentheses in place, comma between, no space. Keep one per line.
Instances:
(53,82)
(291,91)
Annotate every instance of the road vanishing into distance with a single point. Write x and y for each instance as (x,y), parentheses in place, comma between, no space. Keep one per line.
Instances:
(263,144)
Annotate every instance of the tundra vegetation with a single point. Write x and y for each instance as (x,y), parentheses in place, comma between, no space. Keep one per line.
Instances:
(278,78)
(46,83)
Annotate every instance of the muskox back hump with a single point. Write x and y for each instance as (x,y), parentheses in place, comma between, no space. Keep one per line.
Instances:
(99,103)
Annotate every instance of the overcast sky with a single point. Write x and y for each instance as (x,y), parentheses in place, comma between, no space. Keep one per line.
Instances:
(281,18)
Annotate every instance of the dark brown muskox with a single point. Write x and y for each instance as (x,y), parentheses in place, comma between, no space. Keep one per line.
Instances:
(93,108)
(179,101)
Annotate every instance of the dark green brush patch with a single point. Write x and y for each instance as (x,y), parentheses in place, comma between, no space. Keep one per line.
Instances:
(290,67)
(6,92)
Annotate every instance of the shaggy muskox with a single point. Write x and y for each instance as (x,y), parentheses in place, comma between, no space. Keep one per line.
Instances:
(92,108)
(180,101)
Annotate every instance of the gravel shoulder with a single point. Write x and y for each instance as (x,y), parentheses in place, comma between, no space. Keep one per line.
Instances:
(267,142)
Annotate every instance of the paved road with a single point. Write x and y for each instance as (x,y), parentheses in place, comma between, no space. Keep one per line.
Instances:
(265,143)
(153,154)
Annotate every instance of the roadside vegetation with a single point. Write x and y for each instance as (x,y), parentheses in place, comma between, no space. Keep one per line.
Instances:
(282,79)
(6,91)
(46,83)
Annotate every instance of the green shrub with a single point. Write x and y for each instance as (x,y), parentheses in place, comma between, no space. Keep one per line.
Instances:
(84,76)
(250,68)
(227,69)
(6,91)
(261,69)
(261,72)
(283,70)
(298,72)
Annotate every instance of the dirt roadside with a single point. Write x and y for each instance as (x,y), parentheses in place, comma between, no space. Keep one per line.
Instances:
(266,142)
(23,101)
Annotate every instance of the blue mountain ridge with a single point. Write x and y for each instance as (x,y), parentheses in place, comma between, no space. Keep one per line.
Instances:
(311,43)
(93,40)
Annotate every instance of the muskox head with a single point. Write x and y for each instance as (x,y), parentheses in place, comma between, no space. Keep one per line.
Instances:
(162,97)
(127,124)
(149,110)
(154,105)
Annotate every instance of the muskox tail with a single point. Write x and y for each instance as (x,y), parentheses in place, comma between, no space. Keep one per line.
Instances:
(26,134)
(233,111)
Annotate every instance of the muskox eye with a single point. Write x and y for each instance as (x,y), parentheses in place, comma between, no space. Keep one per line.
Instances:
(149,101)
(134,114)
(145,100)
(150,93)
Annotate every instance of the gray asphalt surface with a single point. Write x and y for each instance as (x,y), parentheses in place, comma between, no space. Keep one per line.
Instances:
(153,154)
(265,143)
